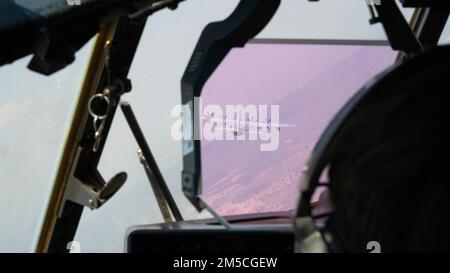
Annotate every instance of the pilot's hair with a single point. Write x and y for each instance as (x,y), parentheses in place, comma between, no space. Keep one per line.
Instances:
(389,173)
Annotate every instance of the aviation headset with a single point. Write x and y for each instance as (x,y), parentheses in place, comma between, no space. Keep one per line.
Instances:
(310,238)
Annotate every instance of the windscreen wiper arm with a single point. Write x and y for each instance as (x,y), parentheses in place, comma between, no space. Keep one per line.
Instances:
(166,203)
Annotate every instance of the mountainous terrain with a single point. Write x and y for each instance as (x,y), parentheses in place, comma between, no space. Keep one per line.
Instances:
(239,178)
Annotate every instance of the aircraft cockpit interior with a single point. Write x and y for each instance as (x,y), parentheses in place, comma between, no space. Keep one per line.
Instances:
(229,126)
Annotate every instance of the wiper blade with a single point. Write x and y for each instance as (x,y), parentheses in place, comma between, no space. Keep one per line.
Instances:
(166,203)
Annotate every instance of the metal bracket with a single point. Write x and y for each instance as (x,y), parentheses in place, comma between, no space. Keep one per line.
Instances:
(399,33)
(88,195)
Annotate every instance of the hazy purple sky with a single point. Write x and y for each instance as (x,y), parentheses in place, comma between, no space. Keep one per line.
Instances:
(310,83)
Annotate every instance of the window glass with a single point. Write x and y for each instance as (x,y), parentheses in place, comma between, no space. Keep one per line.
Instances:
(35,114)
(347,20)
(265,107)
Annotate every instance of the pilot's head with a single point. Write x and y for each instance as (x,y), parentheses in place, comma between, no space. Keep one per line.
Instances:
(389,173)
